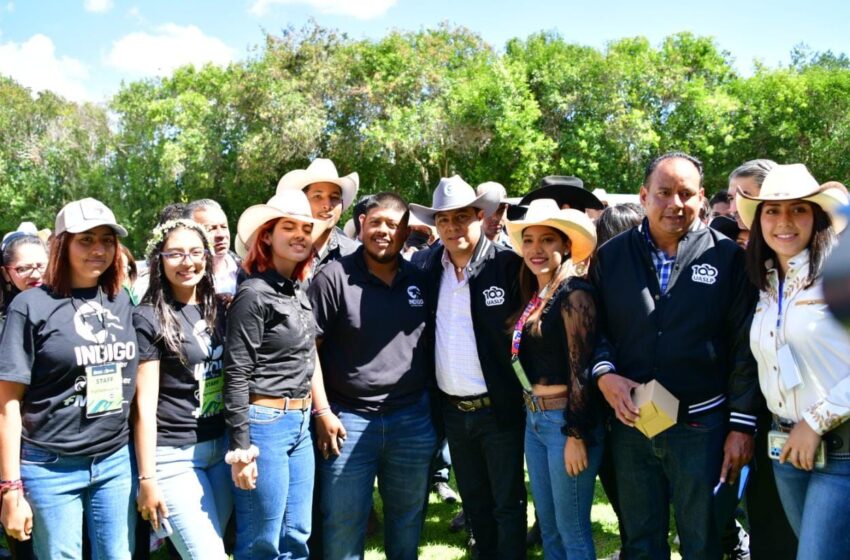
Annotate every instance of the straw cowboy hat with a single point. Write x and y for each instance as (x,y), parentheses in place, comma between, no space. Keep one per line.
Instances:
(791,182)
(321,170)
(572,223)
(292,204)
(454,193)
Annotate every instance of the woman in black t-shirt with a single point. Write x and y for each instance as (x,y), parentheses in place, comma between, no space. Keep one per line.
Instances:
(66,380)
(23,257)
(269,361)
(179,420)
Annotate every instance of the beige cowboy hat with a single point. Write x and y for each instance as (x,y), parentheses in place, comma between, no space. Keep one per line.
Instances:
(572,223)
(292,204)
(792,182)
(321,170)
(454,193)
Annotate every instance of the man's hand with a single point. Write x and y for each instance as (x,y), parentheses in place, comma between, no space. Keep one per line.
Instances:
(330,431)
(618,392)
(737,452)
(801,446)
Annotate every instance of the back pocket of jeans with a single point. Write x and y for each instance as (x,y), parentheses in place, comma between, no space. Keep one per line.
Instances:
(32,455)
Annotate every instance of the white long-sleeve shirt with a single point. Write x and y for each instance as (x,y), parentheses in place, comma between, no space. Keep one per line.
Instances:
(818,343)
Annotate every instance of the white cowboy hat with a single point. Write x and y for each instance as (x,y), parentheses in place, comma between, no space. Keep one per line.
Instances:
(572,223)
(454,193)
(292,204)
(791,182)
(321,170)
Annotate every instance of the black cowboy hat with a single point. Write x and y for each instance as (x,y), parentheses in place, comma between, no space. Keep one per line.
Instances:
(564,189)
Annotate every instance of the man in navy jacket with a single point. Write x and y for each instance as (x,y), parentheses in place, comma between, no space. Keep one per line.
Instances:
(675,306)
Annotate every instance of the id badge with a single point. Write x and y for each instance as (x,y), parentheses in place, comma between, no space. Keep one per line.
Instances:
(789,373)
(104,390)
(210,395)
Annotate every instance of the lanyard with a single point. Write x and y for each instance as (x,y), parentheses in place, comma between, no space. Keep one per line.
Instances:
(517,338)
(779,315)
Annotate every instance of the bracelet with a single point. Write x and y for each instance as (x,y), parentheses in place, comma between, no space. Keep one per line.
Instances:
(242,455)
(322,411)
(9,485)
(141,478)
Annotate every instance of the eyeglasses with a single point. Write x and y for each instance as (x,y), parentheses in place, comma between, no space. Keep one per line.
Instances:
(27,270)
(176,257)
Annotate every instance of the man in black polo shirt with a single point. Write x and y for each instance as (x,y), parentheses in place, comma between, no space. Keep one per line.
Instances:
(371,407)
(475,282)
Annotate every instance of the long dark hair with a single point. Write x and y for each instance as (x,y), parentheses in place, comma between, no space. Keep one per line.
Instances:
(8,253)
(58,275)
(160,295)
(759,252)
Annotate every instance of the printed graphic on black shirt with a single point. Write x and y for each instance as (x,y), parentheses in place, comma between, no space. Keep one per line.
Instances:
(208,374)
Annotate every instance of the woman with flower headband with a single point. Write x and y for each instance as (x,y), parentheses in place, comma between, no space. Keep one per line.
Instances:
(552,343)
(269,362)
(66,381)
(179,410)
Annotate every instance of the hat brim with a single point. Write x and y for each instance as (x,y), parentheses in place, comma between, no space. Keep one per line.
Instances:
(577,198)
(254,217)
(300,179)
(829,200)
(581,232)
(488,202)
(91,224)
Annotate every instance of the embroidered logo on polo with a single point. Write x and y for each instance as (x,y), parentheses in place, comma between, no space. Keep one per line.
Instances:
(704,274)
(494,295)
(415,295)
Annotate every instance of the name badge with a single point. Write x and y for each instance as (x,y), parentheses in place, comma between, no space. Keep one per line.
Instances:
(789,372)
(104,390)
(210,395)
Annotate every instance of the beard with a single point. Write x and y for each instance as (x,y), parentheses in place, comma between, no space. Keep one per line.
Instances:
(383,258)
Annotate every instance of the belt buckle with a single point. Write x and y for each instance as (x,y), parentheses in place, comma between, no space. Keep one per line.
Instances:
(465,406)
(530,402)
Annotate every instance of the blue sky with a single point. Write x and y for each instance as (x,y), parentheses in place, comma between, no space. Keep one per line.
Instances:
(84,48)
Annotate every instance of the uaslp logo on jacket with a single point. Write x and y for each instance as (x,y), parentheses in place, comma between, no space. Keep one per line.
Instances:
(704,274)
(494,295)
(415,296)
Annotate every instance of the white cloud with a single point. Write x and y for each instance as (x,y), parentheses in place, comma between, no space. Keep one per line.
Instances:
(98,6)
(171,46)
(34,64)
(10,7)
(360,9)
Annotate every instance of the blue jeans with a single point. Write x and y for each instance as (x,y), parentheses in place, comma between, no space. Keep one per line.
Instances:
(562,502)
(397,447)
(490,475)
(273,520)
(682,465)
(816,505)
(195,482)
(63,488)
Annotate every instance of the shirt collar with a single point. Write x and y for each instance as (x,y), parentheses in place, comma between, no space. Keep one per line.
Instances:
(696,225)
(360,261)
(279,282)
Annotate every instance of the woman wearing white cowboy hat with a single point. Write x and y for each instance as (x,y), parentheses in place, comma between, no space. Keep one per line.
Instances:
(269,360)
(329,195)
(802,352)
(553,339)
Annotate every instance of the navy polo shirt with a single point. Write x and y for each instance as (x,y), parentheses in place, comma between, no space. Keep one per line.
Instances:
(374,352)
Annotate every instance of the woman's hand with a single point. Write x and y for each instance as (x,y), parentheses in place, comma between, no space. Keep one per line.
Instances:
(244,475)
(330,434)
(801,447)
(16,515)
(575,456)
(150,502)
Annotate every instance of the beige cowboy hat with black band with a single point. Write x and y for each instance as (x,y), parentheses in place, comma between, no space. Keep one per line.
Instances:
(572,223)
(792,182)
(292,204)
(321,170)
(454,193)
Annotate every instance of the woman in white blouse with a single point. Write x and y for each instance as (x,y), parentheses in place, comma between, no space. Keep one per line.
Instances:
(802,352)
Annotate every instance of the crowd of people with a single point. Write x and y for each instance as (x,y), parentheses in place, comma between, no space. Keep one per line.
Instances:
(271,387)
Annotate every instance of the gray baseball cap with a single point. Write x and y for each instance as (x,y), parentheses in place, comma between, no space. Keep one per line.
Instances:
(453,193)
(83,215)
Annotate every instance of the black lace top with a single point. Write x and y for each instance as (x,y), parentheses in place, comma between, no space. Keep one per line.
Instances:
(560,355)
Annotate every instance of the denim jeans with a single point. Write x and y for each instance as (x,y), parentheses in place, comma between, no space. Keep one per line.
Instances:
(816,505)
(562,502)
(488,464)
(273,520)
(61,489)
(682,465)
(195,482)
(397,447)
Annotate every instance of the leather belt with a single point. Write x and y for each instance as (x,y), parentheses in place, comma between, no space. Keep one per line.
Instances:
(469,404)
(837,439)
(536,403)
(284,403)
